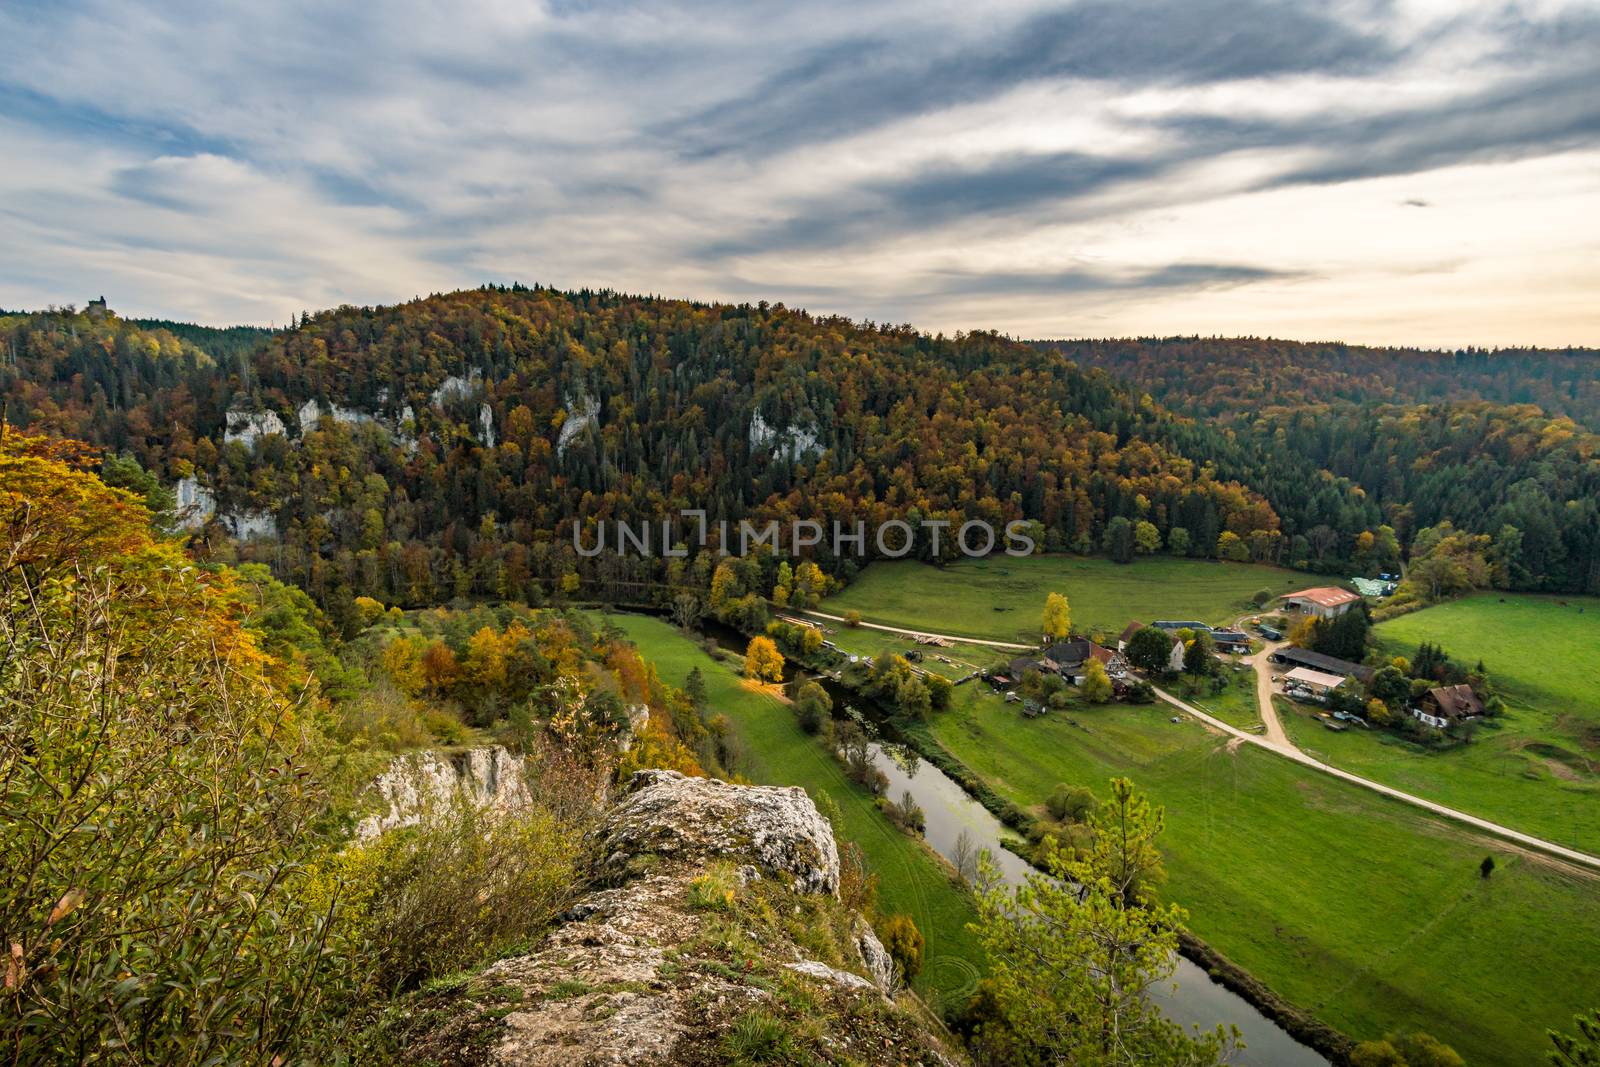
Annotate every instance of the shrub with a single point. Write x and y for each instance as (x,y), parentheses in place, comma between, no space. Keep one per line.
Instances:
(383,716)
(813,707)
(907,814)
(1141,692)
(159,817)
(1071,803)
(903,941)
(464,885)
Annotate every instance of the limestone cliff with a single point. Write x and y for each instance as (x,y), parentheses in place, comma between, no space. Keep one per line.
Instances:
(418,781)
(712,933)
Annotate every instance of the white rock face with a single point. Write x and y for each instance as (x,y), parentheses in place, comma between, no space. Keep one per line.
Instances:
(247,427)
(311,412)
(581,414)
(638,718)
(245,525)
(405,430)
(486,425)
(876,958)
(791,443)
(419,782)
(195,504)
(456,387)
(778,829)
(813,969)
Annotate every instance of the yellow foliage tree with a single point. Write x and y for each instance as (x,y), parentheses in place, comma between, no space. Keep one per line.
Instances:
(763,661)
(1057,616)
(369,610)
(402,660)
(485,662)
(1096,683)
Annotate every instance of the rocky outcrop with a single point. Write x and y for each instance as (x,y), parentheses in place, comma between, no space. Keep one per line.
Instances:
(247,427)
(792,443)
(419,782)
(668,814)
(712,934)
(195,504)
(581,413)
(457,387)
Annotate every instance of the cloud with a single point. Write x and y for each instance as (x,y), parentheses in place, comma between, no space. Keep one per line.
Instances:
(844,86)
(1081,162)
(1078,280)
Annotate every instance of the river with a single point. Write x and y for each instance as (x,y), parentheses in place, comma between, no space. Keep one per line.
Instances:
(1190,997)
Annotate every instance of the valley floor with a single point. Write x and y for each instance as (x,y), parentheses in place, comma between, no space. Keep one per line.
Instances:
(1369,913)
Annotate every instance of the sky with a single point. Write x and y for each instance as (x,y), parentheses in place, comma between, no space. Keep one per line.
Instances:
(1408,173)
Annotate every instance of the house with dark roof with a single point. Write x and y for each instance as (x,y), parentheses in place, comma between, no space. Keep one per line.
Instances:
(1304,657)
(1021,665)
(1070,653)
(1448,704)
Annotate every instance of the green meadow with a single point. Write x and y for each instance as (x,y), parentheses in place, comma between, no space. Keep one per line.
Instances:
(1535,768)
(911,879)
(1002,598)
(1363,910)
(953,662)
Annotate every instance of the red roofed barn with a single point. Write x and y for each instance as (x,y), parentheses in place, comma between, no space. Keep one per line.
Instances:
(1325,601)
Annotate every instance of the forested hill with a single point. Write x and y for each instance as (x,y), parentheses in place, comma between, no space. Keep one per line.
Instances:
(1500,443)
(1232,376)
(442,447)
(452,439)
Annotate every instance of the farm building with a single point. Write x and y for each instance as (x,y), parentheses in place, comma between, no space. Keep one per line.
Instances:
(1116,667)
(1325,601)
(1302,657)
(1448,704)
(1174,662)
(1231,640)
(1170,626)
(1127,635)
(1316,681)
(1069,654)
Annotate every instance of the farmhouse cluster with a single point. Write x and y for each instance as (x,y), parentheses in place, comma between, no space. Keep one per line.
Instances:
(1299,641)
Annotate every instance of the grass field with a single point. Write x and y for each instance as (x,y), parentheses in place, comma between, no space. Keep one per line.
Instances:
(1003,598)
(1536,768)
(912,880)
(864,641)
(1364,910)
(1542,651)
(1236,705)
